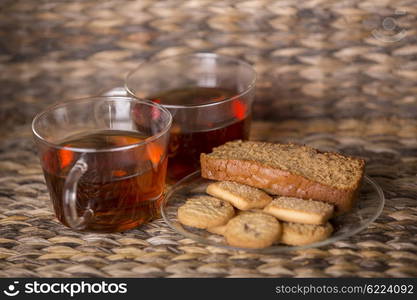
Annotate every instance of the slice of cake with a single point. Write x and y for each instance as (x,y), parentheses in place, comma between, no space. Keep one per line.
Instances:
(288,170)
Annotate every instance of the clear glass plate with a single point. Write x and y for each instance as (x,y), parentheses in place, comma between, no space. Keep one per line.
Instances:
(369,206)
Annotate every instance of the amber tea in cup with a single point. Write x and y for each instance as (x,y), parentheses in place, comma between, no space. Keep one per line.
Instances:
(104,161)
(209,96)
(186,145)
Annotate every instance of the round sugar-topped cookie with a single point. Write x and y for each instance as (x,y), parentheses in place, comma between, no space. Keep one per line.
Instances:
(205,212)
(220,230)
(297,234)
(252,230)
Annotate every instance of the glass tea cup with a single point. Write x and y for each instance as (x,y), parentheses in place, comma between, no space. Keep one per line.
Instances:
(104,160)
(210,97)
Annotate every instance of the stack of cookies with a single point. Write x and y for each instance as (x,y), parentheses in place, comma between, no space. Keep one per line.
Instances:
(250,218)
(272,193)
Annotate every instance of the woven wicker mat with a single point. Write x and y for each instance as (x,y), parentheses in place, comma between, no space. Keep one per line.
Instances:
(336,75)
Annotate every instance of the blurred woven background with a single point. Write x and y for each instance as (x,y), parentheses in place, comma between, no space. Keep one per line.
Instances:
(337,75)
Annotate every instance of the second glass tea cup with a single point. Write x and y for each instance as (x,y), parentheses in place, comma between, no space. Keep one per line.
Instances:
(210,97)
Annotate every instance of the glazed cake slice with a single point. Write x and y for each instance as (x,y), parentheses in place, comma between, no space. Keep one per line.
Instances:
(288,170)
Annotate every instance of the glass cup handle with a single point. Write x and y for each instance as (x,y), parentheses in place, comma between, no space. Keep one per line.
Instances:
(70,197)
